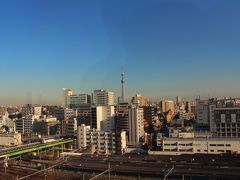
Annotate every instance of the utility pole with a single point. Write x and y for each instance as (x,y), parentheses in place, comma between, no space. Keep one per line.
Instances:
(45,173)
(109,171)
(5,161)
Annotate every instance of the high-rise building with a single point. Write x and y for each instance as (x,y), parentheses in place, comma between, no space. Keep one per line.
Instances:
(63,113)
(170,106)
(84,114)
(179,100)
(103,118)
(202,111)
(74,101)
(149,112)
(139,100)
(167,105)
(24,124)
(135,125)
(193,107)
(66,93)
(103,98)
(122,117)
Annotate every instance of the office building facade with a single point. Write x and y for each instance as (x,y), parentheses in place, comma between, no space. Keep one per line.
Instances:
(103,98)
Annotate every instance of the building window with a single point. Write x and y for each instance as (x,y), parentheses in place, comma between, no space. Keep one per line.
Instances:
(223,118)
(233,118)
(167,144)
(212,144)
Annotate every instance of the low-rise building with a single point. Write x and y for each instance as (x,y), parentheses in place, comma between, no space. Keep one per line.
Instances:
(48,126)
(178,146)
(12,139)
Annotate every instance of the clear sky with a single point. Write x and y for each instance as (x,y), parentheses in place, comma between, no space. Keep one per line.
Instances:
(167,48)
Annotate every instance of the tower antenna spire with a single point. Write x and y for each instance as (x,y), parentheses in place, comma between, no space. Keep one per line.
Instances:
(123,85)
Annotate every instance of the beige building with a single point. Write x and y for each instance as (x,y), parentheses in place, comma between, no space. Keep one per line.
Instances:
(139,99)
(168,105)
(12,139)
(103,98)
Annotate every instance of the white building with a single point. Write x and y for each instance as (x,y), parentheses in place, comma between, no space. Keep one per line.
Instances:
(178,146)
(178,133)
(82,136)
(37,112)
(103,142)
(103,98)
(66,93)
(135,125)
(103,118)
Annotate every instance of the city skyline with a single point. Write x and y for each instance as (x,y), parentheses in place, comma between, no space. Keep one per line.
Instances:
(167,49)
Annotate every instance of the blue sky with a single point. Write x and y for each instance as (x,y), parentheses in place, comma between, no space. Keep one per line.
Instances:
(167,48)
